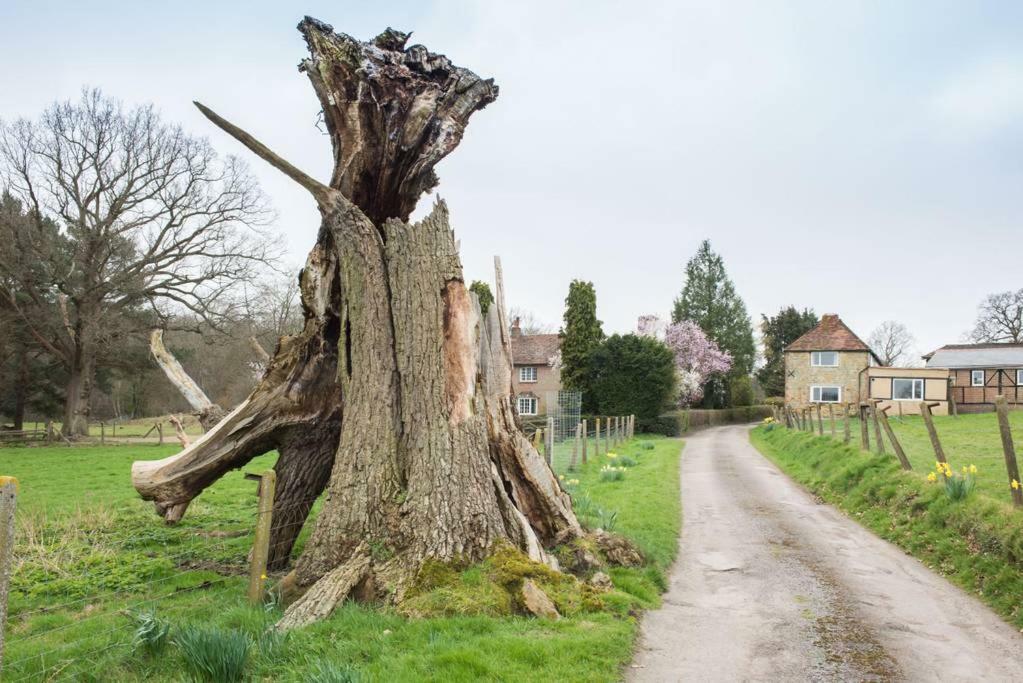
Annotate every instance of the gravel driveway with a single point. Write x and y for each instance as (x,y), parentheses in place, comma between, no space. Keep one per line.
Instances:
(772,585)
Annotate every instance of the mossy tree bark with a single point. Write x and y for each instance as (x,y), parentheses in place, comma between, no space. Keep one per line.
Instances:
(396,396)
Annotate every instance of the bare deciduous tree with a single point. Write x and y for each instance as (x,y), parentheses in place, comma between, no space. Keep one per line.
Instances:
(892,341)
(528,321)
(1000,318)
(149,218)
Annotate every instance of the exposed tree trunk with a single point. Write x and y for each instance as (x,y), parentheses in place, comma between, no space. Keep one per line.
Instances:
(78,394)
(208,412)
(428,461)
(21,388)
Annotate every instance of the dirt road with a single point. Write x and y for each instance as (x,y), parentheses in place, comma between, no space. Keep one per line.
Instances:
(771,585)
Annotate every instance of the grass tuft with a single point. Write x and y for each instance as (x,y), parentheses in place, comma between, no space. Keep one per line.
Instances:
(213,655)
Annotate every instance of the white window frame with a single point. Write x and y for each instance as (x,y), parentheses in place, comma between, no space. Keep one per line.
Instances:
(816,355)
(1019,377)
(913,393)
(973,376)
(528,370)
(535,405)
(820,391)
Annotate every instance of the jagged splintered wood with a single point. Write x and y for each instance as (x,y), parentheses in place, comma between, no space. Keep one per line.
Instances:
(396,395)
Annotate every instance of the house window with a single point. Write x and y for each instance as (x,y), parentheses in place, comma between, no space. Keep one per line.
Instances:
(908,389)
(527,374)
(527,405)
(977,378)
(824,359)
(1019,377)
(819,394)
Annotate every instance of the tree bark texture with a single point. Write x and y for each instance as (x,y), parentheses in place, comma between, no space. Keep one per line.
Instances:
(425,460)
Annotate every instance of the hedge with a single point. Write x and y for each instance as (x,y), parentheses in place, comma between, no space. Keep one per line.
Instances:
(679,422)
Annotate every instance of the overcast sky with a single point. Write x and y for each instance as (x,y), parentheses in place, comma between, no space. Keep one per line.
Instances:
(858,158)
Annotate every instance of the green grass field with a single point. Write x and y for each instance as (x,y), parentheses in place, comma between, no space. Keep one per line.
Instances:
(90,554)
(967,440)
(977,542)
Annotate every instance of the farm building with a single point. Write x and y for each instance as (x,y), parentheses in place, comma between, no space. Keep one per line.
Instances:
(831,364)
(535,370)
(980,372)
(902,389)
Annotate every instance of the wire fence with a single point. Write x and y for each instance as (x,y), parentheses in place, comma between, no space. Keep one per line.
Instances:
(76,584)
(980,446)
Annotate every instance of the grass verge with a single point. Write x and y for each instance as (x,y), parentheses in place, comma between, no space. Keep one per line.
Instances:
(92,557)
(977,543)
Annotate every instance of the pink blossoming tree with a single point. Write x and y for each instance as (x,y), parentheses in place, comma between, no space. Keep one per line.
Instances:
(696,357)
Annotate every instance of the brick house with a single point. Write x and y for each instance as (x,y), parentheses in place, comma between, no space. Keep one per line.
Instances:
(535,370)
(827,365)
(980,372)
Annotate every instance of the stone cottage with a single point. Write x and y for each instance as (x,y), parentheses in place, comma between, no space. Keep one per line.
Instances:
(827,365)
(536,370)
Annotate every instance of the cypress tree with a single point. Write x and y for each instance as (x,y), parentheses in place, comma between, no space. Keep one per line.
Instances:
(580,337)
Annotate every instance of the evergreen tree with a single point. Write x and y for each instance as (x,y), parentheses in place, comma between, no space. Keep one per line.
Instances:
(632,375)
(580,337)
(779,331)
(483,293)
(709,299)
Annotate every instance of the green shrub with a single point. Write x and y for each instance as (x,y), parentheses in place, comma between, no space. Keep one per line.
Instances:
(213,655)
(669,424)
(646,445)
(632,375)
(151,633)
(626,461)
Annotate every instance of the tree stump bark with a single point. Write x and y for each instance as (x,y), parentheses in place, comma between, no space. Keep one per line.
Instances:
(396,396)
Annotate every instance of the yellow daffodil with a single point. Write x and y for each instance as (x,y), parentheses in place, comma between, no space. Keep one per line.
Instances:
(612,455)
(973,469)
(1015,484)
(932,477)
(262,577)
(966,470)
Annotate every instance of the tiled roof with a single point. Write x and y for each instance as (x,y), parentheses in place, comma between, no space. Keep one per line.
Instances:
(976,356)
(831,334)
(534,349)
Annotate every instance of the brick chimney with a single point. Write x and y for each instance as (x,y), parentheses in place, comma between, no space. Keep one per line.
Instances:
(516,330)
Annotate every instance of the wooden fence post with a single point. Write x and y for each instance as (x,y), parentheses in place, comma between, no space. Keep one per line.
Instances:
(831,416)
(899,453)
(939,452)
(575,447)
(102,432)
(864,428)
(159,430)
(8,505)
(596,437)
(1011,468)
(953,404)
(607,435)
(585,439)
(261,542)
(878,439)
(820,421)
(846,409)
(549,433)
